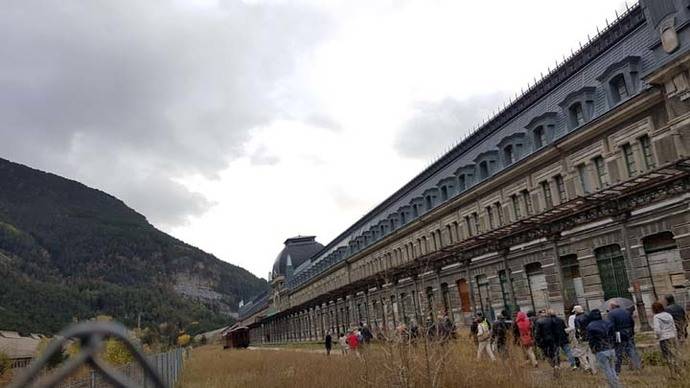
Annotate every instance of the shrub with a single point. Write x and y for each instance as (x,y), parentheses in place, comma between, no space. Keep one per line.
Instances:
(183,340)
(116,352)
(5,363)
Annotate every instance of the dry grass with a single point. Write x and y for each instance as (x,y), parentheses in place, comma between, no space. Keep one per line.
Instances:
(393,365)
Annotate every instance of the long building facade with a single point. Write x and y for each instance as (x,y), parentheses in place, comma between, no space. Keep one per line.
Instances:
(575,193)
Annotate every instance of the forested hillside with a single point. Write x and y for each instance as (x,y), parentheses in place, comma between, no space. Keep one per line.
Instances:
(71,252)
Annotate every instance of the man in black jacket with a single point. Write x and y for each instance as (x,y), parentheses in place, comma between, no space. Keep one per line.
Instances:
(679,317)
(624,329)
(562,339)
(547,338)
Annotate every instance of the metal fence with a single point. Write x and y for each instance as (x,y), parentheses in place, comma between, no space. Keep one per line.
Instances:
(168,365)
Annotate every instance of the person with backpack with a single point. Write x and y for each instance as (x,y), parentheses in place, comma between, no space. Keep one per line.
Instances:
(602,338)
(483,339)
(499,334)
(524,335)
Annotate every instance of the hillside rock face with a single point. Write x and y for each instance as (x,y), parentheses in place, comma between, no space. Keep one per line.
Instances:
(71,252)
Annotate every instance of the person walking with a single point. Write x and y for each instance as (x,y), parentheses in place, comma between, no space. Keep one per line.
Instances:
(499,334)
(483,339)
(580,349)
(679,317)
(524,336)
(601,338)
(665,330)
(624,329)
(329,343)
(342,340)
(562,339)
(353,340)
(547,338)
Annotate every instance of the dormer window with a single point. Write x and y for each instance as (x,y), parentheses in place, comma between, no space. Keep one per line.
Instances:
(483,170)
(461,183)
(577,115)
(444,193)
(621,80)
(579,106)
(619,91)
(539,137)
(429,203)
(541,129)
(508,156)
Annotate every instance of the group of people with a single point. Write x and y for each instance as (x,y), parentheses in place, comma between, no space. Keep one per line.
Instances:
(350,341)
(588,341)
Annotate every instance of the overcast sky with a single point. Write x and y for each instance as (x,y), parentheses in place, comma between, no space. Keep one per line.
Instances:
(233,125)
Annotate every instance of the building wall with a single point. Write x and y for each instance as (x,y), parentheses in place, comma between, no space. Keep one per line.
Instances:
(641,252)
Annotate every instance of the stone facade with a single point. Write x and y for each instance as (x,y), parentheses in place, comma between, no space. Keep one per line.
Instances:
(578,197)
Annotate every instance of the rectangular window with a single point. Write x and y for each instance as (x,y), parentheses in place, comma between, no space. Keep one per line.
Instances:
(577,115)
(647,152)
(584,182)
(528,202)
(629,159)
(490,216)
(499,213)
(516,206)
(562,195)
(468,224)
(602,177)
(475,217)
(546,189)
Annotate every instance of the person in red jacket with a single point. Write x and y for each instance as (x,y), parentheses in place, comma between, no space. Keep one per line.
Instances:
(353,341)
(524,329)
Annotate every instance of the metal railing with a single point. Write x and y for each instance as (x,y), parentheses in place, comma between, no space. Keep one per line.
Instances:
(160,370)
(168,365)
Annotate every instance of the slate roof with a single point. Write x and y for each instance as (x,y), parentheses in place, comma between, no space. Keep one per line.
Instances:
(297,251)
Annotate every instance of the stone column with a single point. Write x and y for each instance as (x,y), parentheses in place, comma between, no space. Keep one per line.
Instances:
(468,276)
(511,291)
(641,310)
(384,323)
(366,302)
(441,302)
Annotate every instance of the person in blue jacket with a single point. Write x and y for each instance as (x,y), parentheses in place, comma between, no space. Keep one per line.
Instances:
(624,329)
(602,339)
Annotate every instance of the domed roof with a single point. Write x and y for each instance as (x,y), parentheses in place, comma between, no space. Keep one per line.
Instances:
(297,250)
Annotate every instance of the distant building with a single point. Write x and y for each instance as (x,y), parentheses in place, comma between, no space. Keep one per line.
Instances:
(21,349)
(574,193)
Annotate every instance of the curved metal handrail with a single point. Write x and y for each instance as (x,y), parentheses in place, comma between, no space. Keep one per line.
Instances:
(91,335)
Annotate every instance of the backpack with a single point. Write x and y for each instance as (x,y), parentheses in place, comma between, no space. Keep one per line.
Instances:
(483,332)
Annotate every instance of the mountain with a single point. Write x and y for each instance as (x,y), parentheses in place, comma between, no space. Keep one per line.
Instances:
(69,252)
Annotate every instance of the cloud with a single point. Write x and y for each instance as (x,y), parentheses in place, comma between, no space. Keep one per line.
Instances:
(129,96)
(436,125)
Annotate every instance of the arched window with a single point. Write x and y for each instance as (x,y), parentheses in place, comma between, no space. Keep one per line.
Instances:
(464,293)
(573,289)
(538,290)
(612,271)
